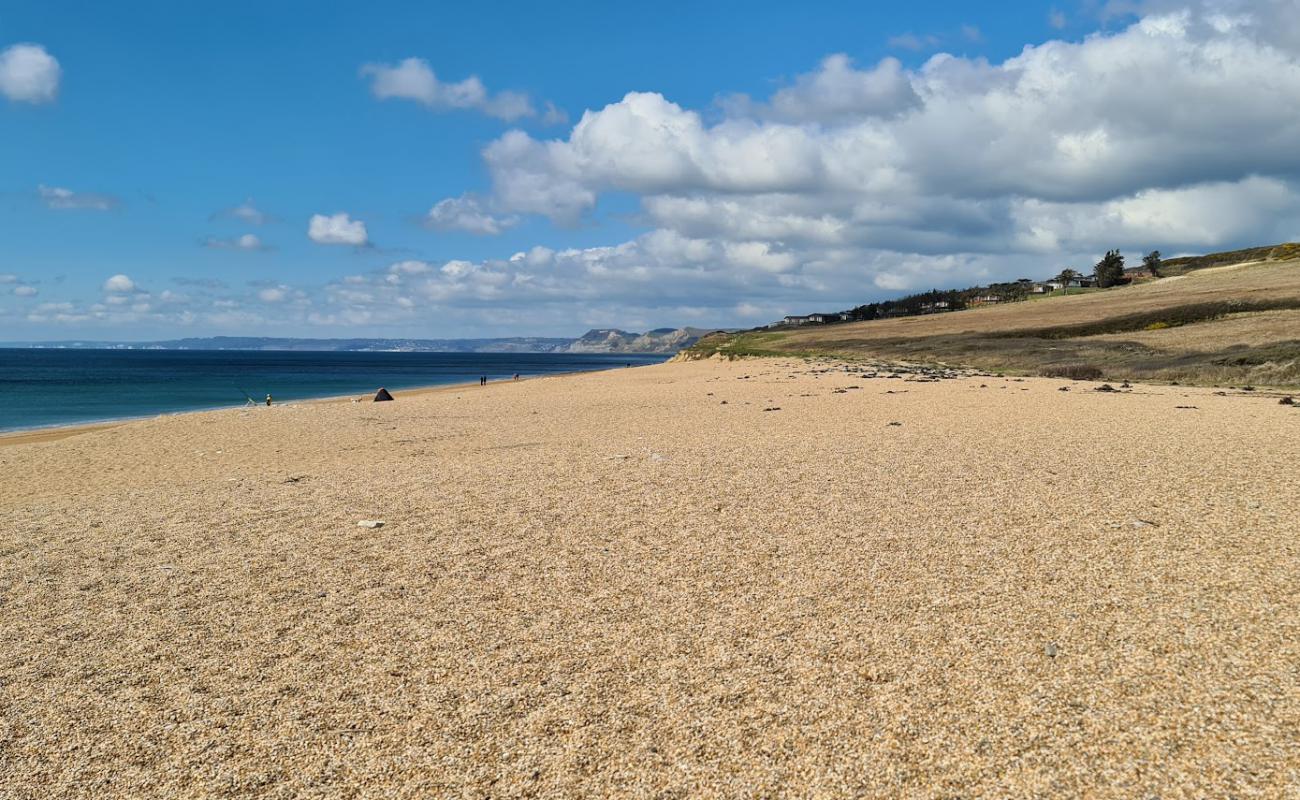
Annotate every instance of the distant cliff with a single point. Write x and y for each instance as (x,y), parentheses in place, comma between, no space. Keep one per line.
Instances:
(662,340)
(613,340)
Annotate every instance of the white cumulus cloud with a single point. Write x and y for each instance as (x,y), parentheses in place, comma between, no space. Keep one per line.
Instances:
(337,229)
(28,74)
(414,79)
(837,91)
(119,284)
(466,213)
(960,154)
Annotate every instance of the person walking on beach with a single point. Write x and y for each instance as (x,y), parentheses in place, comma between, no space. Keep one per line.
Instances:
(516,376)
(268,399)
(482,381)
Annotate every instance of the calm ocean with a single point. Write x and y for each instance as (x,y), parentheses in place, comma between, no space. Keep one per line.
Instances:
(40,388)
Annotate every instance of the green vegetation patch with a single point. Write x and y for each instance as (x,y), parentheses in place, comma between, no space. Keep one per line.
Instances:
(738,345)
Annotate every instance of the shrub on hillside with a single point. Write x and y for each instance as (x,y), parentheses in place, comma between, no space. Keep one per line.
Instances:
(1074,372)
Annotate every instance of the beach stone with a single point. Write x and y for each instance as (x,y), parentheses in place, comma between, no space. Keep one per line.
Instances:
(371,523)
(1051,650)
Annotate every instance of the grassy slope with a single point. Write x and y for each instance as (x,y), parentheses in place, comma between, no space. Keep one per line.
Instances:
(1229,324)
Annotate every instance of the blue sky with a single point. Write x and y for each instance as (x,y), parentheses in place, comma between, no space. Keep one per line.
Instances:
(163,162)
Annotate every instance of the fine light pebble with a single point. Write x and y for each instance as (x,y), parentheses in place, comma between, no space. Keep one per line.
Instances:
(371,523)
(808,603)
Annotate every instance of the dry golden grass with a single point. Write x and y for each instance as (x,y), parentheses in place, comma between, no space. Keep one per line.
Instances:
(1256,329)
(1261,282)
(1092,329)
(617,585)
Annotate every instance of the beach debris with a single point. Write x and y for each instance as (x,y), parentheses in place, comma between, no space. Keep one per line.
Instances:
(772,408)
(895,424)
(1051,649)
(1286,401)
(1143,523)
(658,457)
(1105,387)
(294,479)
(723,403)
(371,523)
(1185,406)
(618,457)
(382,395)
(1063,389)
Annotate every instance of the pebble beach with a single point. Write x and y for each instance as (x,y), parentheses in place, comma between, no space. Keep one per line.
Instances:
(756,578)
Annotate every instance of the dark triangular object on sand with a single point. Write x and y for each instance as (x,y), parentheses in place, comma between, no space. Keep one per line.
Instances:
(382,394)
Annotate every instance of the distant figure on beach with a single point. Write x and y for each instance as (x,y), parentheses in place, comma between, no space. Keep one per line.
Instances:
(268,399)
(482,381)
(516,376)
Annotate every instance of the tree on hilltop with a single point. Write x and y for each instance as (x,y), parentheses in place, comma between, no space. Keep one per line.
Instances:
(1110,270)
(1065,277)
(1152,262)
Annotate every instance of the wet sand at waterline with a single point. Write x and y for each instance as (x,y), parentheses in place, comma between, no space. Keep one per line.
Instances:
(617,584)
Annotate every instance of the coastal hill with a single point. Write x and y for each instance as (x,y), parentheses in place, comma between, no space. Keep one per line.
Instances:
(664,341)
(660,340)
(1223,318)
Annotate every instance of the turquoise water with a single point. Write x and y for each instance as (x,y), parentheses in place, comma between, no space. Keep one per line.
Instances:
(40,388)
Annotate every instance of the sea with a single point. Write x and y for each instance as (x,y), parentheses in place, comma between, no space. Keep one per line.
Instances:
(50,387)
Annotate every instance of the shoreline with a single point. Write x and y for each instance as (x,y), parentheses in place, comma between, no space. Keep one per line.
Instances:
(53,433)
